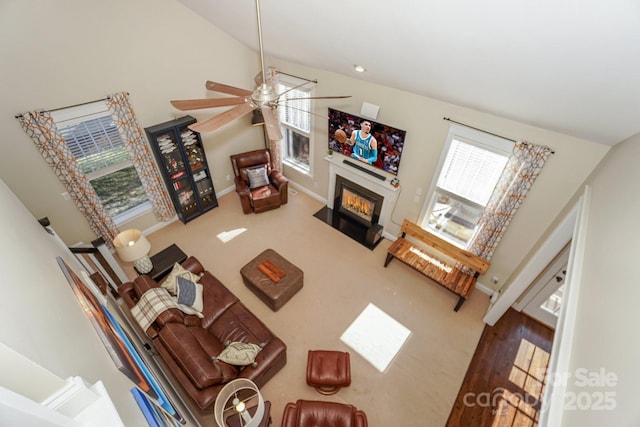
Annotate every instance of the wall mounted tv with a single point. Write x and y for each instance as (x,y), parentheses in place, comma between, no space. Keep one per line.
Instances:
(390,140)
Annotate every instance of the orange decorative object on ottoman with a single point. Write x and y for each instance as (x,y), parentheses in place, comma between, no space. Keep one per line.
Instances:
(272,278)
(328,371)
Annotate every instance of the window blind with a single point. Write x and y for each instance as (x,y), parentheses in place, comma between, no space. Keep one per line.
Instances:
(471,171)
(95,143)
(295,112)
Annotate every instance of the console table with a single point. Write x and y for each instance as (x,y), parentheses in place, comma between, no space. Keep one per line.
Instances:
(164,260)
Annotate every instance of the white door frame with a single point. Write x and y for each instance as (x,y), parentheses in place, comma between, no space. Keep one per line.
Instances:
(573,227)
(545,285)
(557,240)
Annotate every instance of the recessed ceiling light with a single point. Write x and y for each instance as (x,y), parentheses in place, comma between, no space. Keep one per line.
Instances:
(359,68)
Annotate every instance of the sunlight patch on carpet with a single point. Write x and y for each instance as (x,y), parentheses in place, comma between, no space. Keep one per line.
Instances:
(225,236)
(376,336)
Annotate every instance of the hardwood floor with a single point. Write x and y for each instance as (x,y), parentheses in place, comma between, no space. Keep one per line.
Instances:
(504,382)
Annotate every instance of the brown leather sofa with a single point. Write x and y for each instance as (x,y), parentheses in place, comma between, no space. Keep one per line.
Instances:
(189,345)
(312,413)
(263,197)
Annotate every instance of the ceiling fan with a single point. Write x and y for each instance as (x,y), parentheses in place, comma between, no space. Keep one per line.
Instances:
(264,98)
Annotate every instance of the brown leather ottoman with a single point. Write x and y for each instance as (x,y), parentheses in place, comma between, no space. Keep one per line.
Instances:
(328,371)
(274,294)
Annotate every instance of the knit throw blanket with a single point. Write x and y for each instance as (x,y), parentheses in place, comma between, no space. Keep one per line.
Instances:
(155,301)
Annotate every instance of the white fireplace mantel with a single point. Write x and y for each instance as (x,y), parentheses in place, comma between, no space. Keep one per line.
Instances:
(384,188)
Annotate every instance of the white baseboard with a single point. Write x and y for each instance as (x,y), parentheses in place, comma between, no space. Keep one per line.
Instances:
(485,289)
(227,190)
(308,192)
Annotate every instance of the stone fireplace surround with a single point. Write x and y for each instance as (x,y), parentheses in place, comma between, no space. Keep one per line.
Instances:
(384,188)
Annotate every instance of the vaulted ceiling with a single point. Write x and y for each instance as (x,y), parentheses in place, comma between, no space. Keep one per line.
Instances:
(572,66)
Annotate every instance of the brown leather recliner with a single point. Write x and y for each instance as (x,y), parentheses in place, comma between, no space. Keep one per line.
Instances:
(266,193)
(312,413)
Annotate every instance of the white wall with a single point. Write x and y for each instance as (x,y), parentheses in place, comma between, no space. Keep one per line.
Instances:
(607,313)
(46,337)
(422,118)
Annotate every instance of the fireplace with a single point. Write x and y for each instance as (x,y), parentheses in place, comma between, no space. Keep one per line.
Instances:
(356,212)
(356,219)
(357,202)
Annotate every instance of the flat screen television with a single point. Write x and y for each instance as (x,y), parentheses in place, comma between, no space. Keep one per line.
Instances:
(390,140)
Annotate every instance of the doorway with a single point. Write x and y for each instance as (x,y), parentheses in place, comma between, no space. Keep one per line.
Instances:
(544,298)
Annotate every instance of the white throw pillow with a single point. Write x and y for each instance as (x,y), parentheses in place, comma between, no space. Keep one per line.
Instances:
(240,354)
(258,177)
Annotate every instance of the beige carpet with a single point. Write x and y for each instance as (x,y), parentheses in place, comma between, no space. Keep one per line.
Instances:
(341,278)
(376,336)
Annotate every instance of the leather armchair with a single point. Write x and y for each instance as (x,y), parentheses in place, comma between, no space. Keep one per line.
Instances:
(260,198)
(312,413)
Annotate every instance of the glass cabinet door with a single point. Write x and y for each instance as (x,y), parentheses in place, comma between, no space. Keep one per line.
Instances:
(171,156)
(186,197)
(183,163)
(194,153)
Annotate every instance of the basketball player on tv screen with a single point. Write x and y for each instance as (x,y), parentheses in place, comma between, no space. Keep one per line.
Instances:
(365,146)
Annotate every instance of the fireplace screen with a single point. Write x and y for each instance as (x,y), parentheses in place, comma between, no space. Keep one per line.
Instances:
(357,204)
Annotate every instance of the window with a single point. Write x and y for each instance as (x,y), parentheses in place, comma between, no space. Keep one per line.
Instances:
(94,141)
(470,167)
(295,119)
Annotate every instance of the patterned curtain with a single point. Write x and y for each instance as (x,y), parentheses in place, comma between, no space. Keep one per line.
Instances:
(276,153)
(141,157)
(42,130)
(522,169)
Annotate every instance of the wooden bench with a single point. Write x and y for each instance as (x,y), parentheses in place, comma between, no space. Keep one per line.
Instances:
(438,259)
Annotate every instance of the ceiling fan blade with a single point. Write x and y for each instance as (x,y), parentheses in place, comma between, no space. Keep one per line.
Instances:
(229,90)
(196,104)
(300,109)
(272,124)
(216,122)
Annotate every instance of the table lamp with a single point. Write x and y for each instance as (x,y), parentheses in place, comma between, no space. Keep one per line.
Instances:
(233,401)
(131,245)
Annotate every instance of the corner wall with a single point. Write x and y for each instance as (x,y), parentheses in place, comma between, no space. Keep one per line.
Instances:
(68,52)
(46,334)
(605,344)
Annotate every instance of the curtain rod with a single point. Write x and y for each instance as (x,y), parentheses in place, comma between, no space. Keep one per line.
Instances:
(17,116)
(490,133)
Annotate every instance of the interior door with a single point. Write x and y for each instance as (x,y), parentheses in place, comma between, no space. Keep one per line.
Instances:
(544,299)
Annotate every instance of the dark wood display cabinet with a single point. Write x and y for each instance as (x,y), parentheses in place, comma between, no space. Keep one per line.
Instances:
(183,164)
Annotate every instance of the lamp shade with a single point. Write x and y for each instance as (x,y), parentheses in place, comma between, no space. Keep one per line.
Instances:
(240,398)
(131,245)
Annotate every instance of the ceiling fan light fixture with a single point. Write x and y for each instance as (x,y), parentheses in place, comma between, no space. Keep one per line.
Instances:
(359,68)
(265,98)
